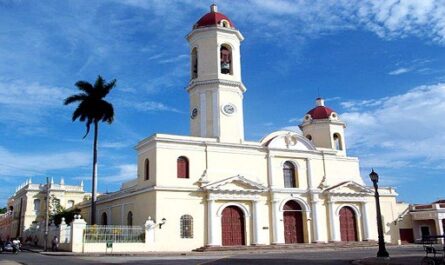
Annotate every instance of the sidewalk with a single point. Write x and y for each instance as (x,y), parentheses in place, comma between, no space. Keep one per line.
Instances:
(397,260)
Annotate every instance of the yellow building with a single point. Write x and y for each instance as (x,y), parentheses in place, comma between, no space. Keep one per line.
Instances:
(214,188)
(27,206)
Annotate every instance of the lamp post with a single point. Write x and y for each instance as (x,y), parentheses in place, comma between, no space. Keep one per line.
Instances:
(382,253)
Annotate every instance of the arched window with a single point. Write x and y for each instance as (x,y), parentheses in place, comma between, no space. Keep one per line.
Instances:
(36,205)
(183,167)
(225,23)
(147,170)
(226,59)
(309,137)
(130,218)
(104,219)
(289,175)
(337,142)
(186,226)
(194,63)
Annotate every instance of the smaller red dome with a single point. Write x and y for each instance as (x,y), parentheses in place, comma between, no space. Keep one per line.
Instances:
(213,18)
(320,112)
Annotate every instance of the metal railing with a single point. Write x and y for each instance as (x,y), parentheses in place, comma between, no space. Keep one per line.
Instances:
(114,233)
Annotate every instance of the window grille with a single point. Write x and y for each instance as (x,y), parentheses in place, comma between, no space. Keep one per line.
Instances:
(186,226)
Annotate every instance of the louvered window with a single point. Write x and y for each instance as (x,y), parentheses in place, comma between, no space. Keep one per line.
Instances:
(183,167)
(147,169)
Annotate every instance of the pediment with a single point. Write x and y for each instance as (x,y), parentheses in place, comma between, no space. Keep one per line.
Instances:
(348,187)
(287,140)
(235,184)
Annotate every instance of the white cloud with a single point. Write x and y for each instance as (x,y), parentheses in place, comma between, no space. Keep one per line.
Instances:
(395,131)
(26,165)
(387,18)
(125,172)
(149,106)
(400,71)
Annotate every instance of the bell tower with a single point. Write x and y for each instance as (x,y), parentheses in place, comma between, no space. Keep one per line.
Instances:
(322,126)
(215,88)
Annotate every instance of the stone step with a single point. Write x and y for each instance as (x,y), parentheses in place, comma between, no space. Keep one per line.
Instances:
(289,246)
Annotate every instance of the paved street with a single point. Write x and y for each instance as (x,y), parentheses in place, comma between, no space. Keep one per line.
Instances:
(406,254)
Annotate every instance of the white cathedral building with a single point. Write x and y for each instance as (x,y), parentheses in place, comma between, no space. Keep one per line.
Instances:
(214,188)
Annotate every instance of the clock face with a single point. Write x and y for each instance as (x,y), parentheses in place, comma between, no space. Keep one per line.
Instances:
(229,109)
(194,113)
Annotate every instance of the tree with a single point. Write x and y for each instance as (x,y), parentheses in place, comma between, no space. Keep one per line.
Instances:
(3,210)
(93,109)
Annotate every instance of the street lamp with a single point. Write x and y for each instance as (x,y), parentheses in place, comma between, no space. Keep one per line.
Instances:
(382,253)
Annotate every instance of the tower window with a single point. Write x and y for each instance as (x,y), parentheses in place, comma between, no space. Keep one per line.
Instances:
(194,63)
(337,142)
(226,59)
(290,178)
(309,137)
(147,170)
(183,167)
(225,23)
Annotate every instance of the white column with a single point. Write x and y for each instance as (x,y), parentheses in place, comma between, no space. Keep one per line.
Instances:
(211,225)
(277,222)
(439,229)
(315,221)
(309,173)
(270,170)
(335,224)
(257,235)
(149,231)
(365,221)
(215,114)
(77,228)
(203,114)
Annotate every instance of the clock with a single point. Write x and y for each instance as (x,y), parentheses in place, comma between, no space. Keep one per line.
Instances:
(194,113)
(228,109)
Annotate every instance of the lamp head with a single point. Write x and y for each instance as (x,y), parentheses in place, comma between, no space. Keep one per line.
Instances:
(374,176)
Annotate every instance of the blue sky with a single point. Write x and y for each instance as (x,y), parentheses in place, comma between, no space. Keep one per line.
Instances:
(379,64)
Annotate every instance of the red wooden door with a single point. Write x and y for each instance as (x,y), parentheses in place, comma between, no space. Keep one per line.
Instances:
(293,223)
(232,223)
(348,224)
(406,235)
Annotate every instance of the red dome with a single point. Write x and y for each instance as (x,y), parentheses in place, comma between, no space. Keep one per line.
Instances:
(212,18)
(320,112)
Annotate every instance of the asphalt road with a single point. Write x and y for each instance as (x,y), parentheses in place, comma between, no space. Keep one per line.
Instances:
(306,257)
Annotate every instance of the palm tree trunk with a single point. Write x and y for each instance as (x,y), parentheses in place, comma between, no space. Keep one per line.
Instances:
(94,184)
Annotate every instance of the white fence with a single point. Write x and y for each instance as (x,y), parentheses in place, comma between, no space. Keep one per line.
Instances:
(80,237)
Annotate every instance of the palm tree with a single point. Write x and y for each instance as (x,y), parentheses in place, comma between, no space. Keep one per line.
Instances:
(92,109)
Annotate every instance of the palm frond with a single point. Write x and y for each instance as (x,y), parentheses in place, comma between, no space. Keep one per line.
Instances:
(99,84)
(107,111)
(85,86)
(88,124)
(107,88)
(74,98)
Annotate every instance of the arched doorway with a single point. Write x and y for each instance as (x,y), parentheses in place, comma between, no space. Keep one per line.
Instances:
(232,224)
(348,224)
(293,223)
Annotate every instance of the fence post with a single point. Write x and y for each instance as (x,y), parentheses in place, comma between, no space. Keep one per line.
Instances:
(149,231)
(77,229)
(62,231)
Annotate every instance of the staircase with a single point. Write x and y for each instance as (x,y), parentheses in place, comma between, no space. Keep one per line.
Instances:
(336,245)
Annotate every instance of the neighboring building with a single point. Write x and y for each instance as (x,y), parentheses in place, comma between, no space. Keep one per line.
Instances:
(422,220)
(213,188)
(27,206)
